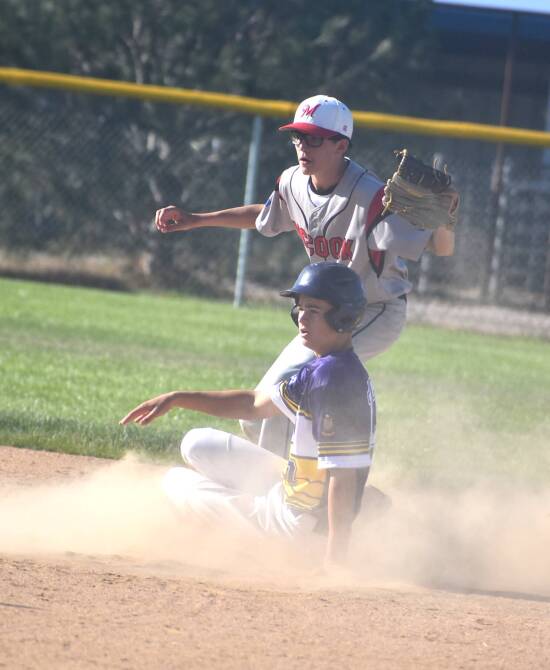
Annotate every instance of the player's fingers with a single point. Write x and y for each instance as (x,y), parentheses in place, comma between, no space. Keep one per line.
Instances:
(133,415)
(161,220)
(159,216)
(169,220)
(150,416)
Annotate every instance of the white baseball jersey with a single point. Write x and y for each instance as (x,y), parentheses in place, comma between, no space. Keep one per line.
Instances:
(347,227)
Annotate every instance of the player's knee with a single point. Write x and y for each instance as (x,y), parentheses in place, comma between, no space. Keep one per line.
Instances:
(193,445)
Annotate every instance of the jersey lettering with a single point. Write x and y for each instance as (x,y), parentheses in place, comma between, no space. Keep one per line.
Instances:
(335,247)
(321,245)
(346,254)
(307,240)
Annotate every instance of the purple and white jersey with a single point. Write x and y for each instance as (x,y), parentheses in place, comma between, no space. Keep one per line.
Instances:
(331,403)
(347,227)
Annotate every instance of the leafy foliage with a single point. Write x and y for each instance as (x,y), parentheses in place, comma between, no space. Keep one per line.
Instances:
(88,173)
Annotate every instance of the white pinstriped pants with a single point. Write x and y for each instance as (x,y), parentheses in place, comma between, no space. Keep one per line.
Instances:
(233,482)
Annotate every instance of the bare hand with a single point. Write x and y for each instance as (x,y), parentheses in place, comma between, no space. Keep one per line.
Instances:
(172,219)
(150,410)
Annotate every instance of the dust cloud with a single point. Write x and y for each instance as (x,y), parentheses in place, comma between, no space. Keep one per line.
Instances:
(470,505)
(488,537)
(485,537)
(121,510)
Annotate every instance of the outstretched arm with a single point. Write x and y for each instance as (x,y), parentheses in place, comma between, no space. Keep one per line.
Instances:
(226,404)
(173,219)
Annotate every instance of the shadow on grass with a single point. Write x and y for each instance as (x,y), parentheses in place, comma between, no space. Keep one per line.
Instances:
(68,277)
(71,436)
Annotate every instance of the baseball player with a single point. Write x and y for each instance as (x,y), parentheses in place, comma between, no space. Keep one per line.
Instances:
(330,403)
(336,208)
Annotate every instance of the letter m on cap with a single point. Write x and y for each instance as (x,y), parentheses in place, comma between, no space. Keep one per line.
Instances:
(309,111)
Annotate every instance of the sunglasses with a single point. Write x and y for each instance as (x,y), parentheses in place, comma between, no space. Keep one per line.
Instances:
(311,140)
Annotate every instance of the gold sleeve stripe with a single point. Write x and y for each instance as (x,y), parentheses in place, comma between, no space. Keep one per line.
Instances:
(348,452)
(343,447)
(292,406)
(341,450)
(351,443)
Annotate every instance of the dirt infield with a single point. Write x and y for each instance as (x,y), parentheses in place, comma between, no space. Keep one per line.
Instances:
(94,572)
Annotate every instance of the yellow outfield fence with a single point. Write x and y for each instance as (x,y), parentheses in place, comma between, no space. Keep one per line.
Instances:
(272,108)
(90,160)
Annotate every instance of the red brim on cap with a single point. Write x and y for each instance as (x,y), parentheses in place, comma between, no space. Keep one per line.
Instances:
(309,129)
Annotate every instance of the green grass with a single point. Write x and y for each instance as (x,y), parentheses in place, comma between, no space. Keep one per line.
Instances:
(461,406)
(73,361)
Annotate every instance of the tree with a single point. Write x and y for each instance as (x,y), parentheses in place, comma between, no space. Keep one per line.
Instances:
(92,171)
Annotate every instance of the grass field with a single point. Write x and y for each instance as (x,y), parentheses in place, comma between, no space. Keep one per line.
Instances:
(452,405)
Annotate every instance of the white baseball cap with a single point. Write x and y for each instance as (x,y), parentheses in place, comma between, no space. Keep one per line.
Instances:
(323,116)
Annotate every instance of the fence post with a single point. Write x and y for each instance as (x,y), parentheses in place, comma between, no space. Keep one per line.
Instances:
(490,288)
(249,199)
(495,274)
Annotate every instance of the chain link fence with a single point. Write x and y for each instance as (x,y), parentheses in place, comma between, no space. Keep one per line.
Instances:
(83,176)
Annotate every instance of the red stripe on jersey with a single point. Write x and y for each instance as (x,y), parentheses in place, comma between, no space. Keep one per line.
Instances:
(375,209)
(374,216)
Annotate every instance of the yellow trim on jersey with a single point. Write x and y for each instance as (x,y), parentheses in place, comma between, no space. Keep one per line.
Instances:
(344,445)
(291,405)
(303,483)
(349,452)
(344,449)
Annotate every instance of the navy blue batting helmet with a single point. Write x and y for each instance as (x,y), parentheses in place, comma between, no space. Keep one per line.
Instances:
(336,284)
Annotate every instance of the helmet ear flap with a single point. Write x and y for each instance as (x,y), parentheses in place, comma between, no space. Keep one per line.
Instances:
(334,319)
(344,318)
(294,313)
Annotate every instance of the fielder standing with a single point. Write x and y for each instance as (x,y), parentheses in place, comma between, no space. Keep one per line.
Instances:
(331,405)
(335,206)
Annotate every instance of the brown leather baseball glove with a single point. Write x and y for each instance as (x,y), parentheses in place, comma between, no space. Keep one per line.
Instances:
(421,194)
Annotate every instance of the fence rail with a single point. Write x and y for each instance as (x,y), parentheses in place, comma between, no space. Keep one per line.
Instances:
(88,171)
(273,108)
